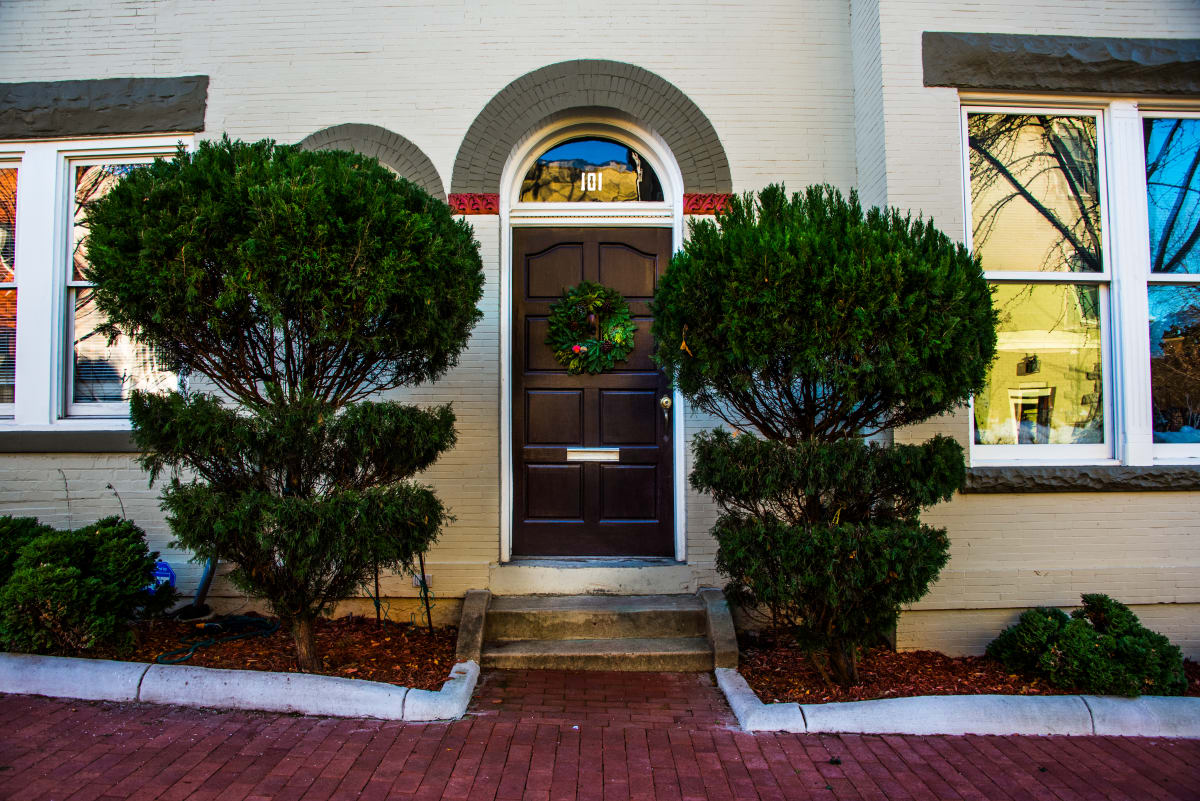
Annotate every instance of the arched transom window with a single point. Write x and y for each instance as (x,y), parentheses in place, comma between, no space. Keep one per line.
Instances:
(591,169)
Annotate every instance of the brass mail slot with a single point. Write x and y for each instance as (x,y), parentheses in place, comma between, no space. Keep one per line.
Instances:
(593,454)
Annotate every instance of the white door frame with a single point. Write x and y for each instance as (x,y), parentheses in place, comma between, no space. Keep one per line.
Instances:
(514,214)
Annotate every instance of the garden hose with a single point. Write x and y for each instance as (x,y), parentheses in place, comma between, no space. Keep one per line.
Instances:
(237,627)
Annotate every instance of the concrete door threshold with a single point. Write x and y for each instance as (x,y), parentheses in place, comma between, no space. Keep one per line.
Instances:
(583,576)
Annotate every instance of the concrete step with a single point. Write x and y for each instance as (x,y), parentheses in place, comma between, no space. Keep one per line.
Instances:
(676,654)
(588,617)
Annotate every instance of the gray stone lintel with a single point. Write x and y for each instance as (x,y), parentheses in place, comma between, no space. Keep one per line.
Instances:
(38,109)
(1082,478)
(66,442)
(1050,63)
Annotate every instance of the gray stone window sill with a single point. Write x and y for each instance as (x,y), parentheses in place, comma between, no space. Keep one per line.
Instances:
(1082,478)
(66,441)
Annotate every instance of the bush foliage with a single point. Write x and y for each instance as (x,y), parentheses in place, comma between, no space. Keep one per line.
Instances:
(1099,648)
(294,284)
(808,318)
(807,323)
(72,590)
(15,534)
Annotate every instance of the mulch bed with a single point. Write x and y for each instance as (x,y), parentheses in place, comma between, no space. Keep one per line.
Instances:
(779,672)
(352,647)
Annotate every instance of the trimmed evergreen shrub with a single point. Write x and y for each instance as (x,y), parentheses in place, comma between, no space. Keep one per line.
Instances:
(15,534)
(1022,645)
(808,318)
(1100,648)
(296,284)
(807,323)
(72,590)
(847,480)
(831,586)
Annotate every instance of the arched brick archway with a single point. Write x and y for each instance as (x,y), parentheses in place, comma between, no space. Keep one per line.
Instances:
(392,150)
(530,100)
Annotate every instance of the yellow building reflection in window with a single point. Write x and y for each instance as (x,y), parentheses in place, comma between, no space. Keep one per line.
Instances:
(1045,386)
(590,170)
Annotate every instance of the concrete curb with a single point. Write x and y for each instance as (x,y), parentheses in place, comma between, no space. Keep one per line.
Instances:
(1147,716)
(64,677)
(448,703)
(303,693)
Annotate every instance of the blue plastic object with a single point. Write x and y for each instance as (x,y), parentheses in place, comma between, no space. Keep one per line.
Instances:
(163,574)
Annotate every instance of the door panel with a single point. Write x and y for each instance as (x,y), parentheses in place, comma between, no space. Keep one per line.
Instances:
(555,417)
(554,491)
(628,417)
(552,269)
(622,506)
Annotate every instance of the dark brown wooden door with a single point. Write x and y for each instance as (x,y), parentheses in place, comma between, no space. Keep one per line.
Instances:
(565,507)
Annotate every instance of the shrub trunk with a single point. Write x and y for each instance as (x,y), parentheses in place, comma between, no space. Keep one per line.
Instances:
(843,664)
(306,645)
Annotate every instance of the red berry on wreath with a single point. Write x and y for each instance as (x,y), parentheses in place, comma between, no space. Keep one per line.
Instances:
(575,349)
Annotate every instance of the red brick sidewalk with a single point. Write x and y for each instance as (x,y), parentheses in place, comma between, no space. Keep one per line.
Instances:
(550,736)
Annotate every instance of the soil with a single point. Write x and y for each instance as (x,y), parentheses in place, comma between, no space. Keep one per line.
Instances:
(778,672)
(352,647)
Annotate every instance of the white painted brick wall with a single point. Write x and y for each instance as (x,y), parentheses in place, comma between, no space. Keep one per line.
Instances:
(804,92)
(773,77)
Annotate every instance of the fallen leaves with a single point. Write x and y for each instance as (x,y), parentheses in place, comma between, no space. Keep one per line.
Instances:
(780,672)
(351,647)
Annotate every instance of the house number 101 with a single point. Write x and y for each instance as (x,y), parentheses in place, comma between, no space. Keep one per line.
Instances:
(591,181)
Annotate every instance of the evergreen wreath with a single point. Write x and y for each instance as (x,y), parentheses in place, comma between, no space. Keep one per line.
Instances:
(590,328)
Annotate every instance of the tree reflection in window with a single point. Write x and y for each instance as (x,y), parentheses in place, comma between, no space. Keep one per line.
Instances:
(590,169)
(1175,362)
(104,371)
(1034,192)
(1173,193)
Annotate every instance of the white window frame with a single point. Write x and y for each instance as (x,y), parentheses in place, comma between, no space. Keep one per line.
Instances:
(1125,282)
(44,249)
(1052,453)
(1162,451)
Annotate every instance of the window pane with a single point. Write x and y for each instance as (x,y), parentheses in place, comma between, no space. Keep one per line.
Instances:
(1035,198)
(8,224)
(1045,385)
(1175,362)
(8,344)
(107,373)
(590,169)
(1173,194)
(92,182)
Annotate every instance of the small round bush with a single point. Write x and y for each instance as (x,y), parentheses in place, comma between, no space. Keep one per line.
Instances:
(1022,645)
(1100,648)
(15,534)
(72,590)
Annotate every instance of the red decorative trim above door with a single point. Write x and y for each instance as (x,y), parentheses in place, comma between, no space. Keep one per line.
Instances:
(475,203)
(704,202)
(489,202)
